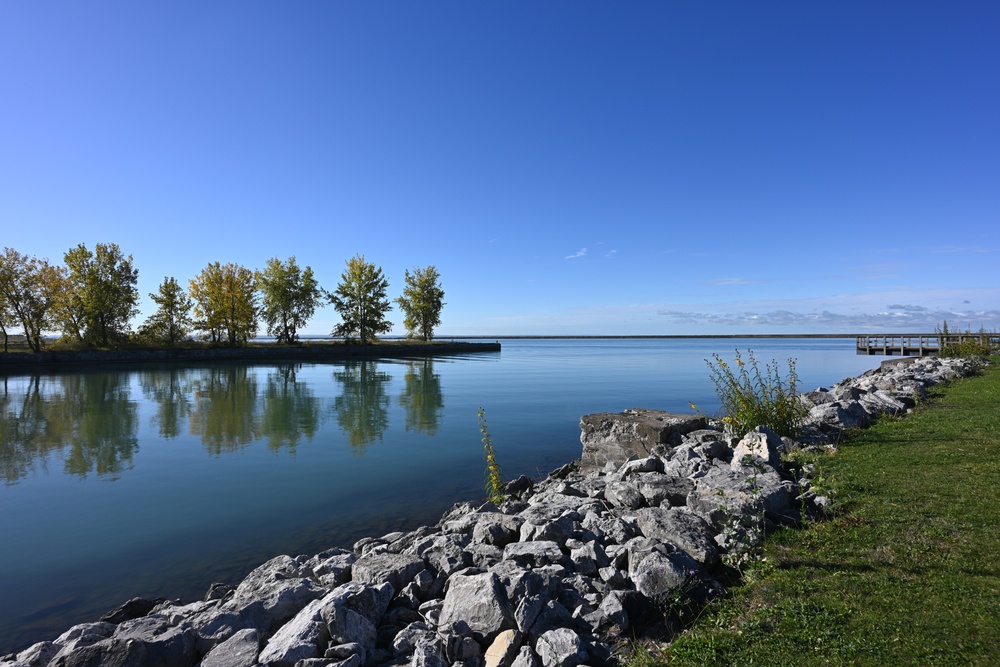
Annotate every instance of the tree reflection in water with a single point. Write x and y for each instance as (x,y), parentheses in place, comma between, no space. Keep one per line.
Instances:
(291,409)
(88,414)
(89,419)
(169,389)
(104,423)
(224,406)
(362,407)
(421,397)
(27,433)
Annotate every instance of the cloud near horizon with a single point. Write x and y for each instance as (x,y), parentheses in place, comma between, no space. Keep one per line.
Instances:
(579,253)
(897,318)
(732,281)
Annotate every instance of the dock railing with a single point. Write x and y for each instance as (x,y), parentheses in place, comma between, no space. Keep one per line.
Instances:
(920,345)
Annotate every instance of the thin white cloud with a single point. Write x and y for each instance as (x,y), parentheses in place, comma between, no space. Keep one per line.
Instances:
(963,250)
(908,319)
(579,253)
(611,254)
(898,311)
(732,281)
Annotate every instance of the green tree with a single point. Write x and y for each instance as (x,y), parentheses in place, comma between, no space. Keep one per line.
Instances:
(421,302)
(289,297)
(361,301)
(29,289)
(102,294)
(172,320)
(225,303)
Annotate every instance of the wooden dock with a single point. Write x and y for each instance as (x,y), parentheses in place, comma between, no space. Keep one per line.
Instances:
(918,345)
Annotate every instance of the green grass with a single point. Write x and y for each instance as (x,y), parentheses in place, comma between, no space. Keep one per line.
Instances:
(907,572)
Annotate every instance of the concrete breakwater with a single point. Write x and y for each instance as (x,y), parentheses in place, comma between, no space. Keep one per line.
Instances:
(248,353)
(556,576)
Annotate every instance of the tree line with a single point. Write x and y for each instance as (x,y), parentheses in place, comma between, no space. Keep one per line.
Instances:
(92,298)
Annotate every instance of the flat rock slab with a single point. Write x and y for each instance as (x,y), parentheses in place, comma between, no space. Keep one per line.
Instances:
(614,437)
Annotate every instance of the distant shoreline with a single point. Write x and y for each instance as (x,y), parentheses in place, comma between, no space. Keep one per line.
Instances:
(667,336)
(16,361)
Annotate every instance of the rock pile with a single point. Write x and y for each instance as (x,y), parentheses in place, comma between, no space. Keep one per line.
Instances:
(552,578)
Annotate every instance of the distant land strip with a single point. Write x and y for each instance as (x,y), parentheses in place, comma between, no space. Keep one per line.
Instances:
(251,353)
(670,336)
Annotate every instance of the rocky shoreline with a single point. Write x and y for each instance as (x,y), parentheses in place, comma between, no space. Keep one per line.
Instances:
(559,575)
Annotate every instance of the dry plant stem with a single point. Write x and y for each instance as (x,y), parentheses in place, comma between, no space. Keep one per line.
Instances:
(493,477)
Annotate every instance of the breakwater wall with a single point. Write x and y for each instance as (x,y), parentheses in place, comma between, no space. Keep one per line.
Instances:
(561,574)
(249,353)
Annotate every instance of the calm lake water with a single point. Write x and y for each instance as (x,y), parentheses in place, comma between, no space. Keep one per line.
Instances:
(157,481)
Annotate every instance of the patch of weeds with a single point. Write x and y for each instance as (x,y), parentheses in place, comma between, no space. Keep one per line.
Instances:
(751,397)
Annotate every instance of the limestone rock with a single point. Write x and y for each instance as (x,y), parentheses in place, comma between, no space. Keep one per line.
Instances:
(305,636)
(761,444)
(681,528)
(396,569)
(240,650)
(481,601)
(609,437)
(504,649)
(533,554)
(561,648)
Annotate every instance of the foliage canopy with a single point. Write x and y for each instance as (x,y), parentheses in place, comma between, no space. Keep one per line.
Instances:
(225,303)
(361,301)
(101,296)
(28,292)
(421,302)
(171,323)
(289,297)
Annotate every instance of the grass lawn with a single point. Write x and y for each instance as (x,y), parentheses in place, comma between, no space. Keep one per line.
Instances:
(907,572)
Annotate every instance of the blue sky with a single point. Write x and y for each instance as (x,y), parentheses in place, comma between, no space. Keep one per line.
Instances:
(569,167)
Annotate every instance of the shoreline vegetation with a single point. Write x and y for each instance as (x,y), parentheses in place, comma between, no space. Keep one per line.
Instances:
(907,531)
(903,572)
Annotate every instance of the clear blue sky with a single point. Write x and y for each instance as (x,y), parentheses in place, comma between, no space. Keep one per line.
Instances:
(569,167)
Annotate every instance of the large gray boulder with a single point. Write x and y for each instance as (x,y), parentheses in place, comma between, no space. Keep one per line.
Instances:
(610,437)
(658,569)
(305,636)
(481,601)
(681,528)
(240,650)
(148,642)
(396,569)
(762,445)
(272,594)
(561,647)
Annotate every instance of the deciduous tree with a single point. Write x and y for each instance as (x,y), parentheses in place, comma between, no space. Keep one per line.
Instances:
(29,288)
(102,294)
(421,302)
(361,301)
(225,305)
(172,320)
(289,297)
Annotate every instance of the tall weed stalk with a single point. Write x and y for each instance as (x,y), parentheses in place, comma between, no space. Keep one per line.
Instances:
(751,398)
(495,488)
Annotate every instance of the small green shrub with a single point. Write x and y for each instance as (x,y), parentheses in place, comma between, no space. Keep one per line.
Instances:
(751,398)
(967,348)
(495,488)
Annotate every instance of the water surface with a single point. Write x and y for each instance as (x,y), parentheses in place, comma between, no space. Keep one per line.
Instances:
(157,481)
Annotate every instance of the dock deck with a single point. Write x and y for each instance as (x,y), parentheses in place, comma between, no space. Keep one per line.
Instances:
(918,345)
